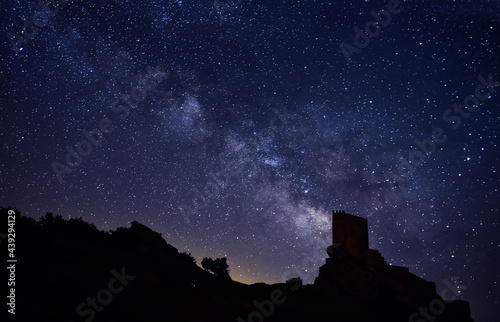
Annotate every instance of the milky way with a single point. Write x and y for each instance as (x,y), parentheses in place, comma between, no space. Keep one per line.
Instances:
(257,122)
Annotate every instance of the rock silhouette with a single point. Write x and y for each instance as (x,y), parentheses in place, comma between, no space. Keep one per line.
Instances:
(70,271)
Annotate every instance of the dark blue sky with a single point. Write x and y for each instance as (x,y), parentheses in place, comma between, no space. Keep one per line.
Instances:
(234,128)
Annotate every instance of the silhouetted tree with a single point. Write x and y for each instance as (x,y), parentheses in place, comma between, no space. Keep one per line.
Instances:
(4,211)
(49,222)
(218,266)
(221,267)
(207,264)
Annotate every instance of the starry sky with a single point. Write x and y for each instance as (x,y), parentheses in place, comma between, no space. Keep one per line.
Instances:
(234,128)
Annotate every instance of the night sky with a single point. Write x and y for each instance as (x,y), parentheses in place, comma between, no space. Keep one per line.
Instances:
(234,128)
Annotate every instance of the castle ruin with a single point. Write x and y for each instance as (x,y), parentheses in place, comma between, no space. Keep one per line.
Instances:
(355,272)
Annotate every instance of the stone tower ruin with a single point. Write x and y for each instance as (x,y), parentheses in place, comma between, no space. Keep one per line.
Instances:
(352,232)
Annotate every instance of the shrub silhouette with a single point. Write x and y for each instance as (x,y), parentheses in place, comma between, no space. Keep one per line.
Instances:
(296,282)
(58,226)
(188,257)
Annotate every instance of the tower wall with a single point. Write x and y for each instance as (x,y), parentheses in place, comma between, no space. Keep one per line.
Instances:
(351,231)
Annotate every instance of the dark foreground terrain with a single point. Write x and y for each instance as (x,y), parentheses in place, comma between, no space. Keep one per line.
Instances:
(68,270)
